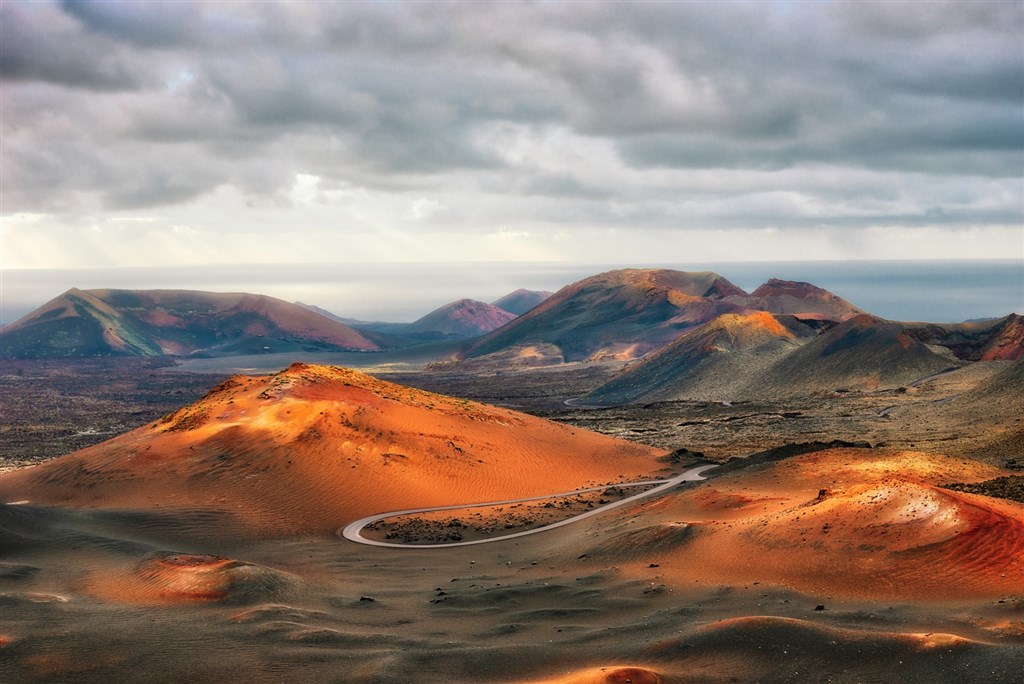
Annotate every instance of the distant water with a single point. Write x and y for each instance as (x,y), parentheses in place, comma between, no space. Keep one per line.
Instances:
(946,291)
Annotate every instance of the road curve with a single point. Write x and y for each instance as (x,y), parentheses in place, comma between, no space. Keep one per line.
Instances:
(353,531)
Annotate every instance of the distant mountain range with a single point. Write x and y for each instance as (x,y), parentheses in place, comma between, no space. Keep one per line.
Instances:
(461,319)
(683,335)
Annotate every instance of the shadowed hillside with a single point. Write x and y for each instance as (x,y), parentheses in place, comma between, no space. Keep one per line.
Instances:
(1001,339)
(862,353)
(713,362)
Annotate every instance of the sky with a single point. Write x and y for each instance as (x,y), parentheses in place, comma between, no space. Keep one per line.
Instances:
(381,159)
(178,134)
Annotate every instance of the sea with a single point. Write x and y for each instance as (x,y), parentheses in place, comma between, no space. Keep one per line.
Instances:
(933,291)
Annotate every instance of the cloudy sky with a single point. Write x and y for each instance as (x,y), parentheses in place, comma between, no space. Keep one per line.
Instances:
(173,133)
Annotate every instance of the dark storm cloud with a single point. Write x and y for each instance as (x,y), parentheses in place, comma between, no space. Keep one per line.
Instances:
(144,24)
(561,186)
(111,105)
(41,45)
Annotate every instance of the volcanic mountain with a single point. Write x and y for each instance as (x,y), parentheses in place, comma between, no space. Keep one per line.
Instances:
(713,362)
(171,322)
(313,447)
(521,301)
(463,318)
(1000,339)
(623,314)
(808,301)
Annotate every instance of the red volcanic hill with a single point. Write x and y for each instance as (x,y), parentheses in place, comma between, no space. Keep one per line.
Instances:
(789,297)
(313,448)
(1007,342)
(713,362)
(171,322)
(462,318)
(624,313)
(1001,339)
(521,301)
(844,522)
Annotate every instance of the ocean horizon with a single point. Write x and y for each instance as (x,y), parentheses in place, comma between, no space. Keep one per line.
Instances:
(932,291)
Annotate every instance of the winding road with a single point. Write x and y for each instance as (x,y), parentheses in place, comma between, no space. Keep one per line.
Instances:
(353,531)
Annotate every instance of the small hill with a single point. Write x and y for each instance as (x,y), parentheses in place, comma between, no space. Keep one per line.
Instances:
(839,522)
(864,352)
(790,297)
(463,318)
(312,448)
(621,314)
(1006,342)
(521,301)
(1001,339)
(171,322)
(712,363)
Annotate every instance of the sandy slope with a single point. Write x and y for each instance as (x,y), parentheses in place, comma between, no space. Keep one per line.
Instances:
(839,522)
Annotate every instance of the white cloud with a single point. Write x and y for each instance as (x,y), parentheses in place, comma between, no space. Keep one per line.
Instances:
(305,192)
(423,208)
(505,235)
